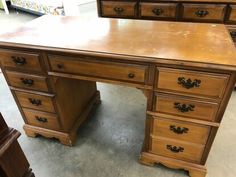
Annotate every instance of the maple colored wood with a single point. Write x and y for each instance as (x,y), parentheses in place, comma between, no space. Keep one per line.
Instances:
(35,101)
(168,79)
(121,9)
(155,55)
(13,162)
(41,119)
(232,16)
(194,133)
(190,152)
(170,104)
(158,10)
(117,71)
(21,60)
(36,82)
(194,170)
(212,12)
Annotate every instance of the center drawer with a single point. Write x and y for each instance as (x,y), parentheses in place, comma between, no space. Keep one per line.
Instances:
(180,130)
(117,71)
(204,12)
(27,81)
(118,8)
(192,82)
(158,10)
(185,107)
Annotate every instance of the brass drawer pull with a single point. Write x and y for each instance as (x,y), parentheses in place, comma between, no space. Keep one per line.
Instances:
(131,75)
(59,66)
(158,11)
(27,82)
(41,119)
(175,149)
(35,102)
(20,61)
(233,34)
(184,107)
(202,13)
(178,130)
(189,83)
(118,10)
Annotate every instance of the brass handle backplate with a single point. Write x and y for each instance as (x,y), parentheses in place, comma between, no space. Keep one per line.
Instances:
(188,83)
(27,82)
(157,11)
(118,10)
(178,130)
(35,102)
(41,119)
(20,61)
(202,13)
(184,107)
(175,149)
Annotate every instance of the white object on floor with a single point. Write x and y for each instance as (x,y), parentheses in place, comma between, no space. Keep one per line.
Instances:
(5,6)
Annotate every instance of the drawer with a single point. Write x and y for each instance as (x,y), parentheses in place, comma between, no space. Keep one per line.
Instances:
(192,82)
(232,32)
(158,10)
(118,8)
(176,149)
(180,130)
(204,12)
(17,59)
(185,107)
(39,102)
(232,15)
(118,71)
(41,119)
(27,81)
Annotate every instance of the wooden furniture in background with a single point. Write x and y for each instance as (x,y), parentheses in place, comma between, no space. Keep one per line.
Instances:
(13,162)
(187,77)
(213,11)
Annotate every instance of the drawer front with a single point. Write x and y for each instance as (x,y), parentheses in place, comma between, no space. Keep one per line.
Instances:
(27,81)
(188,108)
(118,71)
(232,15)
(175,149)
(191,82)
(41,119)
(232,32)
(204,12)
(180,130)
(39,102)
(158,10)
(15,59)
(118,9)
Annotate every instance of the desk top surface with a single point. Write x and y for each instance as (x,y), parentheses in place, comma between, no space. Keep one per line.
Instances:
(154,40)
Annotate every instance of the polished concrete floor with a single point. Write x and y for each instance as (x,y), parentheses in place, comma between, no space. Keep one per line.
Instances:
(109,142)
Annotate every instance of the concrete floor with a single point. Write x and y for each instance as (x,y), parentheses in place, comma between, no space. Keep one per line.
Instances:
(110,141)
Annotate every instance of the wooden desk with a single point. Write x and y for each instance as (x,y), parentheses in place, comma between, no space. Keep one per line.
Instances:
(187,72)
(13,162)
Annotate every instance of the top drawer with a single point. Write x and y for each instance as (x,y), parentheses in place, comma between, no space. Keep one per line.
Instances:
(118,9)
(204,12)
(232,16)
(192,82)
(18,59)
(107,70)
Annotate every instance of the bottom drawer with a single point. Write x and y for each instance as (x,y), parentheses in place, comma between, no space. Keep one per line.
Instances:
(41,119)
(176,149)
